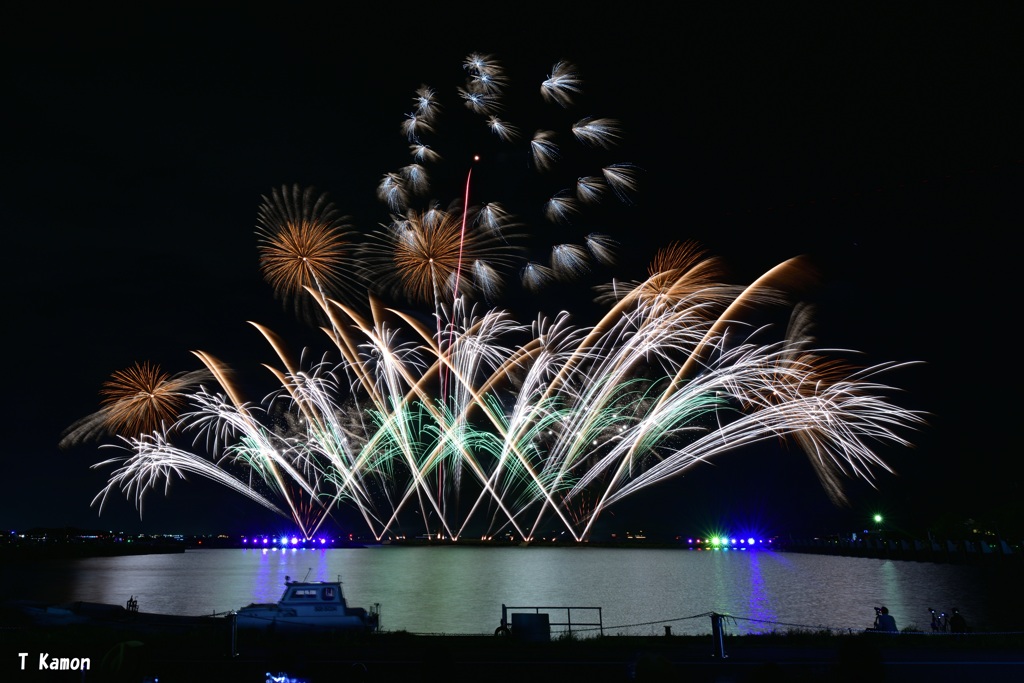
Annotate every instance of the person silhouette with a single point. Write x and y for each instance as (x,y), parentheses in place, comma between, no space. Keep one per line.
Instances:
(957,623)
(885,621)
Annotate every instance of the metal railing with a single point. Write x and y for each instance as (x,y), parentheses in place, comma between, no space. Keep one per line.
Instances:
(568,623)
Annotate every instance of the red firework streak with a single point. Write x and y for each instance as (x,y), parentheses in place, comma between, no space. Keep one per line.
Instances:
(455,297)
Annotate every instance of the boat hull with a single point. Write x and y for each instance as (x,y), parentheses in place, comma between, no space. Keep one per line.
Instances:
(315,604)
(270,620)
(336,617)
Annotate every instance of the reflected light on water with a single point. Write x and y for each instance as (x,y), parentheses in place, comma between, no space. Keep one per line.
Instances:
(461,589)
(757,597)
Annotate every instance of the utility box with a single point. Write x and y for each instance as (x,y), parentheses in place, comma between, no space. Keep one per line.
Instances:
(533,628)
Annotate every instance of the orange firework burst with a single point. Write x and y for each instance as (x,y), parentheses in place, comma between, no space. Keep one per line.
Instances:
(304,243)
(418,257)
(144,398)
(139,400)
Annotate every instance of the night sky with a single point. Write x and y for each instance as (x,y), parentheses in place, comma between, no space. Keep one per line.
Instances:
(137,147)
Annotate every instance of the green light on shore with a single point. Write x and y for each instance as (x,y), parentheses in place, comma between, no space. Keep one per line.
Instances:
(878,519)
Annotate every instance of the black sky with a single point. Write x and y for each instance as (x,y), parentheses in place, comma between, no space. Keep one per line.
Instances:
(138,144)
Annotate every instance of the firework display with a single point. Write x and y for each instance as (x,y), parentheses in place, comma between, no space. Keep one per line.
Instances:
(477,424)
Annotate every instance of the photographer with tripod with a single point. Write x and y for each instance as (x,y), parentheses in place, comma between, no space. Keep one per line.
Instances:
(884,621)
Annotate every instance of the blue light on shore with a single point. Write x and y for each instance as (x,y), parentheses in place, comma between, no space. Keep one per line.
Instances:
(726,541)
(293,541)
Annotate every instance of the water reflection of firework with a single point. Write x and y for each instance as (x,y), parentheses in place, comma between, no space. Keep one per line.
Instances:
(495,427)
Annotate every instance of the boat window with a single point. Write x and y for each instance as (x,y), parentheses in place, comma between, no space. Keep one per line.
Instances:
(304,594)
(328,593)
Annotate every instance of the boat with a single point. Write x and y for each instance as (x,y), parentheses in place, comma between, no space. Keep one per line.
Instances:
(309,604)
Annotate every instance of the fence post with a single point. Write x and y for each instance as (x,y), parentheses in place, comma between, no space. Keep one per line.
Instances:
(716,636)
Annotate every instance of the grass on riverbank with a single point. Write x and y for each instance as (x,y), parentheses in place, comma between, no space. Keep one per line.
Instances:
(215,639)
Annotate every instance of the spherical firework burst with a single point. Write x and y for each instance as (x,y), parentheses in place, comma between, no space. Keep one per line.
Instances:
(137,400)
(423,257)
(304,242)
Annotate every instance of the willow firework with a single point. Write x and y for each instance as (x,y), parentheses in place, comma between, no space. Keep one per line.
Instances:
(555,427)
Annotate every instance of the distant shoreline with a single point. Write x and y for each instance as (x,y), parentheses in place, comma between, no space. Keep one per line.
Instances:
(68,551)
(72,543)
(946,552)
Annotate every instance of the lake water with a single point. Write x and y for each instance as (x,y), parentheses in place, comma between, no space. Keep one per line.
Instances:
(460,590)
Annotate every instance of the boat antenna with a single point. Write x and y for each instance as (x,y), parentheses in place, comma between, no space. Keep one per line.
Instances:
(307,574)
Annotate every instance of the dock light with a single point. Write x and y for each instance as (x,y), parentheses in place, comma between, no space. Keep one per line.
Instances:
(750,541)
